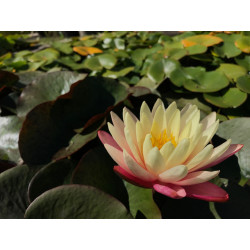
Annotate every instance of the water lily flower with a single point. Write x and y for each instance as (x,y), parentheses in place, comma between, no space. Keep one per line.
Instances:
(168,150)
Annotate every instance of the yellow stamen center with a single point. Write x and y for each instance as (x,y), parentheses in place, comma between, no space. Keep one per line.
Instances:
(162,139)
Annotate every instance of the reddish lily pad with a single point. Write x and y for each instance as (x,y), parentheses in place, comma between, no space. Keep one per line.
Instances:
(205,40)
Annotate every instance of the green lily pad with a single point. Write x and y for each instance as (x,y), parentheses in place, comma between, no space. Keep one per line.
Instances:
(13,191)
(232,71)
(93,63)
(50,176)
(238,129)
(156,71)
(76,202)
(244,62)
(108,61)
(243,44)
(47,55)
(141,200)
(63,47)
(201,81)
(70,62)
(117,74)
(196,49)
(53,123)
(10,127)
(46,88)
(243,83)
(119,43)
(228,48)
(96,169)
(227,98)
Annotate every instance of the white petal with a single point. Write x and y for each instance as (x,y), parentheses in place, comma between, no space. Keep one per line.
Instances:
(197,177)
(185,133)
(145,110)
(179,154)
(146,123)
(117,156)
(154,161)
(170,111)
(217,152)
(125,111)
(167,150)
(136,169)
(205,138)
(140,136)
(174,125)
(187,115)
(173,174)
(117,122)
(119,137)
(158,122)
(147,145)
(195,122)
(156,105)
(208,120)
(200,157)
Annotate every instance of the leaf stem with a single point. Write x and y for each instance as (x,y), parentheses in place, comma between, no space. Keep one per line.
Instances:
(213,210)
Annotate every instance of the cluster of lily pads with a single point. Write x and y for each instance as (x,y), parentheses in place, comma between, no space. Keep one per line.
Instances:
(56,93)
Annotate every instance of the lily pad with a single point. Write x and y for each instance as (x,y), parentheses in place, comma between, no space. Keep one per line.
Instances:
(84,51)
(244,62)
(76,202)
(46,88)
(243,44)
(117,74)
(108,61)
(243,83)
(205,40)
(201,81)
(96,169)
(156,71)
(227,98)
(228,48)
(232,71)
(238,129)
(93,63)
(53,123)
(141,200)
(63,47)
(47,56)
(50,176)
(9,132)
(13,191)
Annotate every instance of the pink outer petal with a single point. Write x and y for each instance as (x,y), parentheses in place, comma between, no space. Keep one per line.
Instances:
(207,191)
(234,148)
(106,138)
(131,178)
(171,190)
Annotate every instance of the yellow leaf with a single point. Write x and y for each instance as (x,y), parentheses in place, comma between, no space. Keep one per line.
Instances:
(84,51)
(205,40)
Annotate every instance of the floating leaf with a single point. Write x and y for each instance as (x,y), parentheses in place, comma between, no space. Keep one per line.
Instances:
(141,201)
(228,48)
(96,169)
(76,202)
(196,49)
(63,47)
(84,51)
(46,88)
(116,74)
(199,80)
(93,63)
(108,61)
(231,97)
(244,62)
(13,191)
(53,124)
(9,132)
(232,71)
(238,129)
(50,176)
(156,71)
(243,44)
(119,43)
(243,83)
(46,56)
(205,40)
